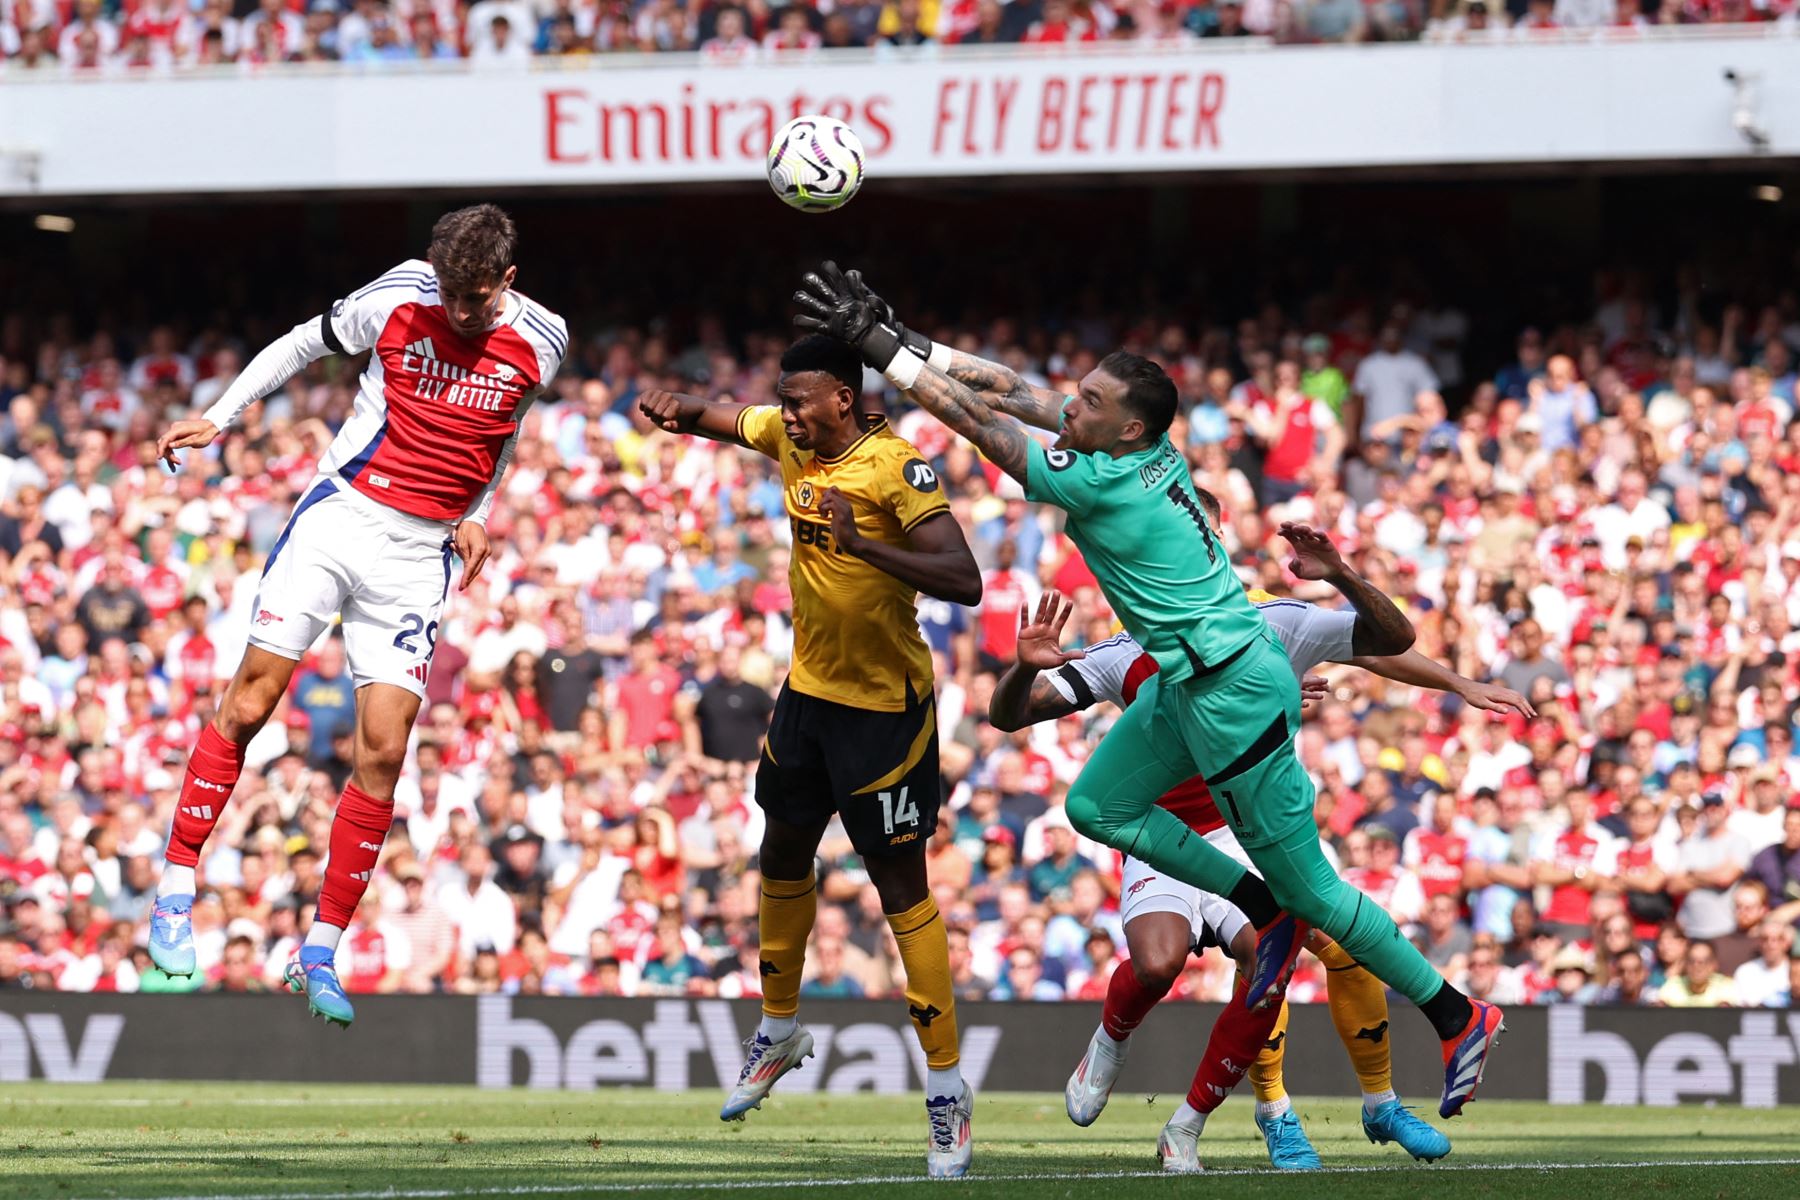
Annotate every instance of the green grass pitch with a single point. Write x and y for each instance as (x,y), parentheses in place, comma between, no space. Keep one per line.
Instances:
(143,1141)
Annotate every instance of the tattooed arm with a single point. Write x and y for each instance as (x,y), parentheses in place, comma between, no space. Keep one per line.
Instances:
(996,435)
(1006,391)
(994,382)
(1381,628)
(839,306)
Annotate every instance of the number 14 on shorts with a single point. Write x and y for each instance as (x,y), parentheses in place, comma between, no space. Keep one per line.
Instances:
(898,810)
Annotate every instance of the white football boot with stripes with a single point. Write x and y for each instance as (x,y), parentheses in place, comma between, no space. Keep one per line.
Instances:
(767,1063)
(952,1135)
(1089,1088)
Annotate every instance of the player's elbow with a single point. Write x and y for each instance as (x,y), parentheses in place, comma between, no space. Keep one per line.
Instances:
(1006,722)
(1375,642)
(962,586)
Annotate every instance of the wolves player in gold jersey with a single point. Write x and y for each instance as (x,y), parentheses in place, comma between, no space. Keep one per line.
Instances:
(855,728)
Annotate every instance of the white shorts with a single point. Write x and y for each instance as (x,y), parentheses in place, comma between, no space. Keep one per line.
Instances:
(385,572)
(1214,919)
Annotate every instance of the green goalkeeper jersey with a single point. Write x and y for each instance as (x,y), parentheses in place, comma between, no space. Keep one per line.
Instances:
(1139,525)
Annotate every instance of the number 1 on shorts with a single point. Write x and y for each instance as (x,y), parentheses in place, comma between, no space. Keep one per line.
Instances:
(1237,818)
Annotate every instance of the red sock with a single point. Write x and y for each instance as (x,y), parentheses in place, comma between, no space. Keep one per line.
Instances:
(1237,1038)
(1128,1002)
(212,772)
(357,831)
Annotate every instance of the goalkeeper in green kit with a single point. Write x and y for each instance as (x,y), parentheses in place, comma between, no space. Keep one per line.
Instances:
(1223,703)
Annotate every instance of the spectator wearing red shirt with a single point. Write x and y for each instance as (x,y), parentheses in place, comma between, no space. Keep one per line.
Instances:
(1385,881)
(1435,852)
(1060,23)
(641,707)
(1006,592)
(1298,434)
(374,955)
(1571,861)
(657,855)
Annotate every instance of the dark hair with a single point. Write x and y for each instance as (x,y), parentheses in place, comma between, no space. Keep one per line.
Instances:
(816,352)
(1149,392)
(1215,511)
(472,245)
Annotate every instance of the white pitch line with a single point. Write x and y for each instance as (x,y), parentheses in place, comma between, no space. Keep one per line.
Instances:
(221,1101)
(742,1185)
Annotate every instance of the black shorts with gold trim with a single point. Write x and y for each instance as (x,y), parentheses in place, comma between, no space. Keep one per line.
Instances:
(878,770)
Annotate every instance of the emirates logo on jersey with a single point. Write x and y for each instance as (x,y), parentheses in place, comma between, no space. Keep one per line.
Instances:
(460,387)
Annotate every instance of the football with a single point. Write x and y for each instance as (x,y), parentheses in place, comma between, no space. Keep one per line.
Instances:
(815,163)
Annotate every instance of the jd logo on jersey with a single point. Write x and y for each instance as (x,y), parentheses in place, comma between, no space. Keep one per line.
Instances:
(919,476)
(1059,460)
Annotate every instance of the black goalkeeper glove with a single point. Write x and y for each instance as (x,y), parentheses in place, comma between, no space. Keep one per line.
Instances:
(918,343)
(829,305)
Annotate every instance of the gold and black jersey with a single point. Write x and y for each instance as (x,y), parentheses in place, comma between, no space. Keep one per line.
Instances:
(856,628)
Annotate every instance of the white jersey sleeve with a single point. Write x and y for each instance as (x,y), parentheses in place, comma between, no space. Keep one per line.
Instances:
(273,366)
(1100,676)
(354,324)
(547,333)
(1310,634)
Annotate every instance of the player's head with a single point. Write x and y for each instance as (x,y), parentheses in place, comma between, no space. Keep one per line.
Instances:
(1123,404)
(820,389)
(472,255)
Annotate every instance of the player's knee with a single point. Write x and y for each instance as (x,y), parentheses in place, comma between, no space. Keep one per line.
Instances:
(1158,967)
(381,750)
(246,708)
(1083,811)
(1243,949)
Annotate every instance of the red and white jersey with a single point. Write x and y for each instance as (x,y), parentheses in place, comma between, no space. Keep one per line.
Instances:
(434,409)
(1116,668)
(1573,849)
(1437,859)
(1397,891)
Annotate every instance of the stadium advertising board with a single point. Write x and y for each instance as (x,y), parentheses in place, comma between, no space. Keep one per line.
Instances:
(1563,1054)
(943,115)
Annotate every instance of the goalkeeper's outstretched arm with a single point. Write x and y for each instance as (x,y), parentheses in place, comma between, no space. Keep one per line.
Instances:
(997,384)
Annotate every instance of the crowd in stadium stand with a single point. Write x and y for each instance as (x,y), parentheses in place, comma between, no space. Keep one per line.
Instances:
(1610,524)
(105,36)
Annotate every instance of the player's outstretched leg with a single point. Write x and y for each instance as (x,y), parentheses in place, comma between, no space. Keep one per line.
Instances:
(779,1045)
(1158,943)
(1359,1010)
(212,773)
(1305,884)
(1283,842)
(1289,1147)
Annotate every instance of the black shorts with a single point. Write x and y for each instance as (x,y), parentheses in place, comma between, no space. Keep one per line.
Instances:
(878,770)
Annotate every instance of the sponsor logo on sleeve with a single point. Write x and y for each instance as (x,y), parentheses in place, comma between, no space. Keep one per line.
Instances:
(919,476)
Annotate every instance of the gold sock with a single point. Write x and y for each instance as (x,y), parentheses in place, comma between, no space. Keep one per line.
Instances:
(784,921)
(1265,1072)
(1359,1009)
(925,953)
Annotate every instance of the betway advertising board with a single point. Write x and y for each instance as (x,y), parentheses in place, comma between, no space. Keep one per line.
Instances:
(944,115)
(1567,1055)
